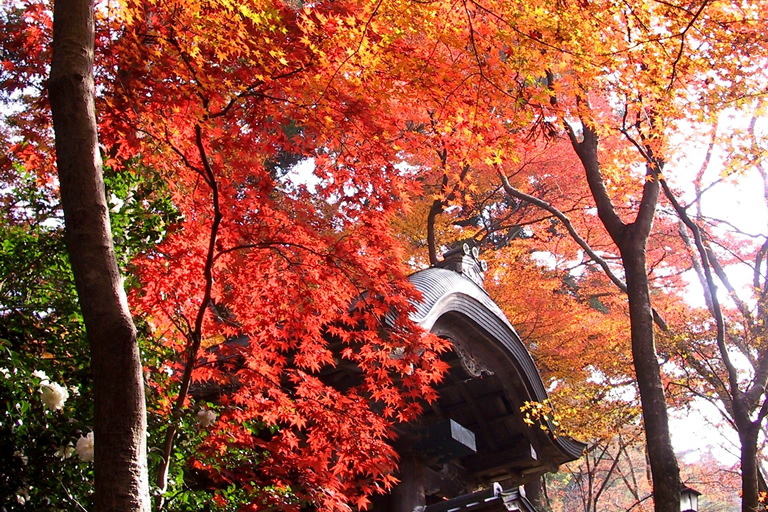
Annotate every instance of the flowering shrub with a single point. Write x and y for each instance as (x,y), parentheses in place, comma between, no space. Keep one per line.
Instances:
(54,395)
(84,447)
(65,452)
(38,429)
(206,418)
(46,438)
(45,380)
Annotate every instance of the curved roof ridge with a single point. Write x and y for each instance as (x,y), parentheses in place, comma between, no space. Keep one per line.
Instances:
(434,283)
(445,292)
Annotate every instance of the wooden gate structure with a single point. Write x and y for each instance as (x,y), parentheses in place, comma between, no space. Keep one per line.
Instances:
(473,436)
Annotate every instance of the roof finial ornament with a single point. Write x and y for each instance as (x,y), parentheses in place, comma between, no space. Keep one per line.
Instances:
(464,260)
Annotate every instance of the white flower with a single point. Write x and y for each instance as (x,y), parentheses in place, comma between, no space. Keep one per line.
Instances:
(5,372)
(74,390)
(40,375)
(206,417)
(84,447)
(54,395)
(65,452)
(116,203)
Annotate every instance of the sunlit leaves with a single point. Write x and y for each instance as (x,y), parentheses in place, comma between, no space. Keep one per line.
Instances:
(399,106)
(299,283)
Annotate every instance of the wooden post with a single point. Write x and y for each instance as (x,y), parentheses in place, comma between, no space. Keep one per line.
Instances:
(409,493)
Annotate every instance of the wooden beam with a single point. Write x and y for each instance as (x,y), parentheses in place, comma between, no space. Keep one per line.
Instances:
(488,435)
(519,458)
(445,441)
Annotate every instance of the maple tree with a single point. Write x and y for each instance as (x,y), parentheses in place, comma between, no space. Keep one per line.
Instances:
(611,475)
(476,106)
(307,254)
(315,257)
(708,345)
(614,476)
(563,307)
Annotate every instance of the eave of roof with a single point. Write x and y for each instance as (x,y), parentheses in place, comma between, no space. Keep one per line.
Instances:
(447,292)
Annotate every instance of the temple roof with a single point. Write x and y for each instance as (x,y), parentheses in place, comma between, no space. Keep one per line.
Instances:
(491,376)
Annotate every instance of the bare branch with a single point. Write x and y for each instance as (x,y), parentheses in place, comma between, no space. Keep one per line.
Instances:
(706,264)
(682,44)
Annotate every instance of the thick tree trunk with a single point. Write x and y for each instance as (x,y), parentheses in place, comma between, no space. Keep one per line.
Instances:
(664,468)
(631,239)
(748,432)
(121,482)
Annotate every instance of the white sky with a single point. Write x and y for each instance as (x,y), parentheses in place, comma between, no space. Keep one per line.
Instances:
(738,200)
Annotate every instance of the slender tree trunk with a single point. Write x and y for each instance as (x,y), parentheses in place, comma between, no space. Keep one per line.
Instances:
(664,468)
(121,482)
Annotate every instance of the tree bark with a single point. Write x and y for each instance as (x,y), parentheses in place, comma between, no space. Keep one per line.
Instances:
(121,482)
(748,432)
(631,239)
(664,467)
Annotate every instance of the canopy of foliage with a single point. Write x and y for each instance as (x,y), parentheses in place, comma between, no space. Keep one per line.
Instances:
(278,168)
